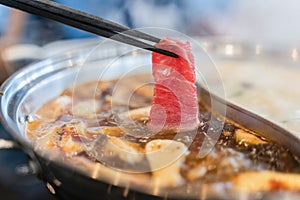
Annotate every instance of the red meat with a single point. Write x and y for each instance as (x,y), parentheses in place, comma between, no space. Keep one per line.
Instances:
(175,104)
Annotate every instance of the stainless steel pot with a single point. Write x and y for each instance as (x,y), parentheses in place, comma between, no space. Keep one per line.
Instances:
(31,87)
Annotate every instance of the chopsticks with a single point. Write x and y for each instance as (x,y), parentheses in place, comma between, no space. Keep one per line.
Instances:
(87,22)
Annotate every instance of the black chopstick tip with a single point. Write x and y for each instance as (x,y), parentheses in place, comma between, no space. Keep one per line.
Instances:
(172,54)
(165,52)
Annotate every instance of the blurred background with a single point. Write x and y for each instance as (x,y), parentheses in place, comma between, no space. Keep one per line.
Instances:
(23,36)
(273,22)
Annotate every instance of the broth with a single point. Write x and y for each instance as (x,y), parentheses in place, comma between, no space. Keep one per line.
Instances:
(77,126)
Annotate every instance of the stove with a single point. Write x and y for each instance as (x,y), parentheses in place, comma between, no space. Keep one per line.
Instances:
(16,180)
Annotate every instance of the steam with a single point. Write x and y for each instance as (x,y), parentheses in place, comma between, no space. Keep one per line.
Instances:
(148,14)
(268,21)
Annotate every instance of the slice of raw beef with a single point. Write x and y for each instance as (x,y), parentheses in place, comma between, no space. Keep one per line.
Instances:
(175,104)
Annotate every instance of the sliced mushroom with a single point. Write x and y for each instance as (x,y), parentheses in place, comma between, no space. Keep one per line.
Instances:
(87,108)
(266,181)
(75,128)
(60,105)
(55,108)
(113,131)
(107,147)
(127,151)
(48,140)
(165,158)
(133,92)
(136,114)
(197,172)
(107,130)
(243,137)
(71,147)
(62,136)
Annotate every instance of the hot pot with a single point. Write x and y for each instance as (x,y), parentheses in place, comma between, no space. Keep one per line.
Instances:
(34,85)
